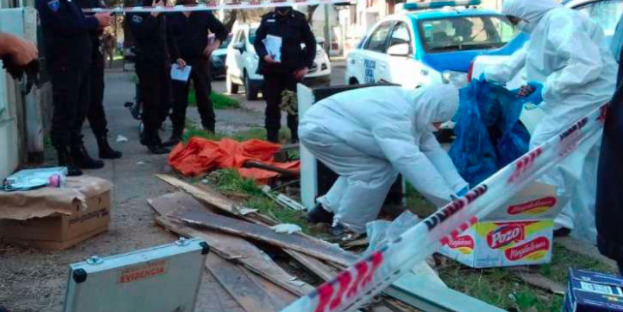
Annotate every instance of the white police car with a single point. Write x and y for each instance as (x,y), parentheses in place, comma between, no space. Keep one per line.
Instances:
(430,42)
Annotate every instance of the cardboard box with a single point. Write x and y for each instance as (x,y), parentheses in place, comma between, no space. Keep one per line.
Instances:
(519,234)
(593,292)
(82,219)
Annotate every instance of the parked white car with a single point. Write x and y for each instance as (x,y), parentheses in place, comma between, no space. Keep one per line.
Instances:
(242,62)
(605,12)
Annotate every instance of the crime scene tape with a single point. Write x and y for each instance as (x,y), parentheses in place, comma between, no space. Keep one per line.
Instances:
(211,6)
(366,278)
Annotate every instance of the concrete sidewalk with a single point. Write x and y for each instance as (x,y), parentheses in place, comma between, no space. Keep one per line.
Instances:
(34,280)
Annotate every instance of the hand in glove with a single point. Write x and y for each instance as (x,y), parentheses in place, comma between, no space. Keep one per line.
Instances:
(531,93)
(460,194)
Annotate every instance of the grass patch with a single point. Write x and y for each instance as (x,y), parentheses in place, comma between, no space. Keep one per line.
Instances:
(219,101)
(229,181)
(244,135)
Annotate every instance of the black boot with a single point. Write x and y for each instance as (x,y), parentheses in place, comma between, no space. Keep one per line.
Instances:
(83,160)
(176,138)
(154,143)
(319,215)
(105,151)
(65,160)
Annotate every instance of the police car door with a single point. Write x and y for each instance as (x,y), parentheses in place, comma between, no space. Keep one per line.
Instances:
(403,68)
(374,60)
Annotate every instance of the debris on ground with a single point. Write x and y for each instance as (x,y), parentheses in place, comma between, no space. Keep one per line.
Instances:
(286,228)
(121,139)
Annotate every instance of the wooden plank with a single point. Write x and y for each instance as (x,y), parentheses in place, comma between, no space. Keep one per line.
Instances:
(262,233)
(228,247)
(243,252)
(210,197)
(542,282)
(282,298)
(325,272)
(251,296)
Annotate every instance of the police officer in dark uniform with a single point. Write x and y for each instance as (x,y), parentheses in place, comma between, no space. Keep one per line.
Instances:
(190,31)
(292,27)
(96,114)
(68,55)
(153,67)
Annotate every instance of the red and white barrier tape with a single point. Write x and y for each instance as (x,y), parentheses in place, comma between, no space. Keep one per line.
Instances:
(211,6)
(369,276)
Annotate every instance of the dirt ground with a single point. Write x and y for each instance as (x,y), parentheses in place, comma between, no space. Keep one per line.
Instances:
(34,280)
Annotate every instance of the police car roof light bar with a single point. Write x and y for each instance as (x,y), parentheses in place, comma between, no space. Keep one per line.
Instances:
(425,4)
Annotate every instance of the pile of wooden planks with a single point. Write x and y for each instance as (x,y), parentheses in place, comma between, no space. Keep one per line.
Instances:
(256,282)
(253,279)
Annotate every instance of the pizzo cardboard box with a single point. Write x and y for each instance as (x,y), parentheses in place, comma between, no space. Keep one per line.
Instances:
(519,233)
(593,292)
(56,218)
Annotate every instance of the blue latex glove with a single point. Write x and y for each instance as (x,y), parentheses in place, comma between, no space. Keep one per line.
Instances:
(536,97)
(462,192)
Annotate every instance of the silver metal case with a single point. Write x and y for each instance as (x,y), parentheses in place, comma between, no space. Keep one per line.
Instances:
(159,279)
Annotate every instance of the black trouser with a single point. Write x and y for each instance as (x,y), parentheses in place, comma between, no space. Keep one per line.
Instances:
(96,114)
(70,93)
(155,94)
(274,85)
(200,76)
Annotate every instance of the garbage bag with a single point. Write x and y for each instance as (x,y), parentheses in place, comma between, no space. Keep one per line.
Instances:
(488,132)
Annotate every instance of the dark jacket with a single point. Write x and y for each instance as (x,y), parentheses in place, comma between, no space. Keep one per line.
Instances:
(294,31)
(66,34)
(191,33)
(94,33)
(609,205)
(153,43)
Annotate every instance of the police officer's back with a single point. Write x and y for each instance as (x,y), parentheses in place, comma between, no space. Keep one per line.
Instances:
(294,30)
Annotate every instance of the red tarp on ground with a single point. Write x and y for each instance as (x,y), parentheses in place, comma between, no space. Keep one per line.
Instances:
(200,155)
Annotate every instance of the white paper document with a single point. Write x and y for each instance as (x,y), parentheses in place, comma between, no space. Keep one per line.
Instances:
(180,74)
(273,47)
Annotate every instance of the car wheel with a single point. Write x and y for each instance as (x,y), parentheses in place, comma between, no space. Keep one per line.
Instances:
(232,88)
(250,90)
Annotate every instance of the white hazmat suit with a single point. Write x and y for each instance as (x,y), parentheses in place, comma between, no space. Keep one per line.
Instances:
(568,54)
(368,136)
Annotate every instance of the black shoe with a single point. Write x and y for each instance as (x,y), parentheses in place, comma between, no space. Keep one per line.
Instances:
(158,149)
(319,215)
(65,160)
(105,151)
(562,232)
(337,231)
(83,160)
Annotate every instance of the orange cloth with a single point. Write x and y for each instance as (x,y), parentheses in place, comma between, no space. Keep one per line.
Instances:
(200,155)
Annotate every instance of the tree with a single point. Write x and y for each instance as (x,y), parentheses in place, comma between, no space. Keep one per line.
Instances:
(310,12)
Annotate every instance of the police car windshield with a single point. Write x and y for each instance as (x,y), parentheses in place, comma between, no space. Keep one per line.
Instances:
(466,33)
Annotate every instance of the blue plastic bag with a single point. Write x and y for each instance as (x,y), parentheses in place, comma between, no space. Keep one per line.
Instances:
(488,133)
